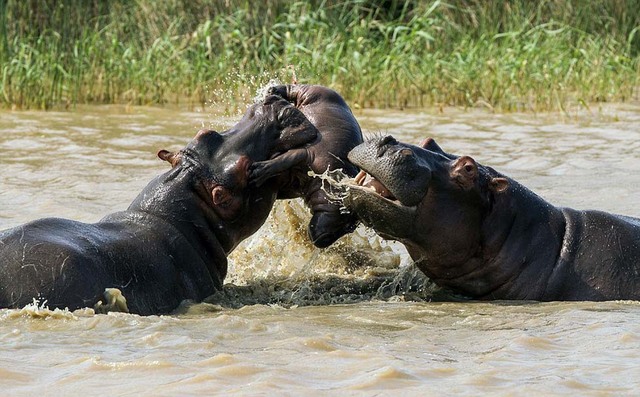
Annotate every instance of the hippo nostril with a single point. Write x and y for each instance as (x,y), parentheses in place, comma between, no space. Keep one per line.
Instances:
(271,99)
(384,143)
(388,140)
(203,133)
(278,90)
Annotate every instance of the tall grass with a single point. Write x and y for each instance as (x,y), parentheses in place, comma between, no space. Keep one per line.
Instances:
(507,55)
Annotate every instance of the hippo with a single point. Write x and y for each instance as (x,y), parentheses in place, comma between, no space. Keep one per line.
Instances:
(171,243)
(339,132)
(483,235)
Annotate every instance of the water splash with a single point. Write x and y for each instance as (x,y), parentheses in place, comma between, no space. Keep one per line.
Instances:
(40,310)
(279,265)
(261,93)
(233,95)
(336,185)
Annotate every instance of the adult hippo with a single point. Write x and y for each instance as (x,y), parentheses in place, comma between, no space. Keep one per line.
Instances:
(339,133)
(171,243)
(481,234)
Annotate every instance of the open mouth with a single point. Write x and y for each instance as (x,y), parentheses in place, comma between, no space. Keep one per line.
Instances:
(369,181)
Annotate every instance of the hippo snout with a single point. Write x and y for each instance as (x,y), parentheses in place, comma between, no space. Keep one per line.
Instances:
(278,90)
(326,227)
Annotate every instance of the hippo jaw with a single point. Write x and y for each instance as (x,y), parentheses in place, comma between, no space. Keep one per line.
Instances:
(392,169)
(389,218)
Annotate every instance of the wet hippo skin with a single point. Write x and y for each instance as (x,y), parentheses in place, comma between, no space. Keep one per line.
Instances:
(481,234)
(339,132)
(171,243)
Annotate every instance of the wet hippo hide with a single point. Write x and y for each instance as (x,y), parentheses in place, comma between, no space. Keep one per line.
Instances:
(339,132)
(171,243)
(484,235)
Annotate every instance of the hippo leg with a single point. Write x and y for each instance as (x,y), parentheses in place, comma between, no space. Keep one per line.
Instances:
(261,171)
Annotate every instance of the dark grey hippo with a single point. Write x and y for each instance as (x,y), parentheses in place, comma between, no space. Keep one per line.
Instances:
(339,132)
(481,234)
(171,243)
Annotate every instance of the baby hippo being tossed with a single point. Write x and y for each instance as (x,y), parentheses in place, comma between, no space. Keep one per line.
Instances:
(478,233)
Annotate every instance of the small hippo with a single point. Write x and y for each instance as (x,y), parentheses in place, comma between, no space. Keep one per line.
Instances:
(339,133)
(171,243)
(481,234)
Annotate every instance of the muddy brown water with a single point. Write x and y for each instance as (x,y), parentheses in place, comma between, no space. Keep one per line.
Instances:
(352,320)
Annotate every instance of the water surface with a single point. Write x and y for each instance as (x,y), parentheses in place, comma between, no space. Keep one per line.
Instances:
(351,320)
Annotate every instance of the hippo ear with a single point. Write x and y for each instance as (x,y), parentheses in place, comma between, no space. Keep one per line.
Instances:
(498,185)
(221,195)
(431,145)
(226,204)
(464,172)
(171,157)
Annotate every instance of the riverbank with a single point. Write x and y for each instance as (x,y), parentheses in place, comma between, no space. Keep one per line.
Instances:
(515,56)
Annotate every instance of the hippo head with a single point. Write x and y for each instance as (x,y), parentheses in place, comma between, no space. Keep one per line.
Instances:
(220,160)
(411,193)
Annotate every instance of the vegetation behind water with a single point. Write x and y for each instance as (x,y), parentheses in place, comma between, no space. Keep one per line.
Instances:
(507,55)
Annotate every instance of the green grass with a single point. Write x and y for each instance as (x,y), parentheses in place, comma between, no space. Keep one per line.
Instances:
(505,55)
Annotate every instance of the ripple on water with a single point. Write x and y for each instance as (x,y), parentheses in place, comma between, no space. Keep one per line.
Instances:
(221,359)
(239,370)
(14,378)
(325,343)
(530,342)
(384,378)
(388,339)
(103,365)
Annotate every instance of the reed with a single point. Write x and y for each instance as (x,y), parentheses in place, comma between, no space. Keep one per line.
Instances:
(507,55)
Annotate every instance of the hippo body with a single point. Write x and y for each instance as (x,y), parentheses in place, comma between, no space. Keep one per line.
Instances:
(69,264)
(339,132)
(481,234)
(171,243)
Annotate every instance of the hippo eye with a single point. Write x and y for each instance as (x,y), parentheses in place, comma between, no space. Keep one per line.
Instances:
(406,152)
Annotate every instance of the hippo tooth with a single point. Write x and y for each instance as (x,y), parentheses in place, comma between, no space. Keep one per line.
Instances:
(381,189)
(362,175)
(365,179)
